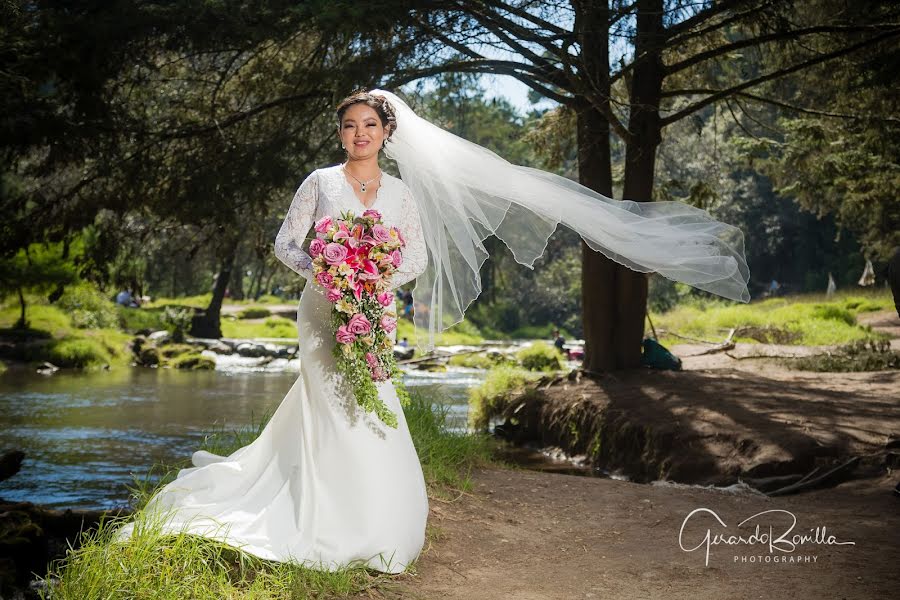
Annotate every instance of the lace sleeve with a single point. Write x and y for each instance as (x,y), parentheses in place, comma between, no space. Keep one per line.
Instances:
(415,254)
(299,219)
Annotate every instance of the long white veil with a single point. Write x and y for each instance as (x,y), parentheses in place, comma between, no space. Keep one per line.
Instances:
(465,193)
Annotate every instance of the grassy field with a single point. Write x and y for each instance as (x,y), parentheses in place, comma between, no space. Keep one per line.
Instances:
(161,566)
(805,319)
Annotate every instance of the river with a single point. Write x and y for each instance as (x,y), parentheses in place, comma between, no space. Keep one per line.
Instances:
(85,434)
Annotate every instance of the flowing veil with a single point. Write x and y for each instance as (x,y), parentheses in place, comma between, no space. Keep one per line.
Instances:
(465,193)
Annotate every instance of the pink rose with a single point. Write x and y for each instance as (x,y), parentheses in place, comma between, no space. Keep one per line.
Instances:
(396,258)
(324,278)
(316,246)
(344,335)
(323,224)
(379,374)
(385,298)
(359,324)
(372,213)
(371,360)
(381,233)
(334,253)
(333,294)
(388,323)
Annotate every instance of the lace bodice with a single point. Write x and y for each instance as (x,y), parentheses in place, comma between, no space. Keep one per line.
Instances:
(326,191)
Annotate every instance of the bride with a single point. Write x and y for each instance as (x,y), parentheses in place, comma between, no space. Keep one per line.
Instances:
(325,484)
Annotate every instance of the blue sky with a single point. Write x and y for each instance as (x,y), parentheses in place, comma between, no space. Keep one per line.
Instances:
(513,90)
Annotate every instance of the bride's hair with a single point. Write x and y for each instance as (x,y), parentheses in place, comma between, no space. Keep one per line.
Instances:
(381,105)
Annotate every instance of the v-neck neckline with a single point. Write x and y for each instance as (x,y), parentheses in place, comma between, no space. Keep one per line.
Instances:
(343,177)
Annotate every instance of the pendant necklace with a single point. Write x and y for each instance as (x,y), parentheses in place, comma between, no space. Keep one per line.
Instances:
(362,184)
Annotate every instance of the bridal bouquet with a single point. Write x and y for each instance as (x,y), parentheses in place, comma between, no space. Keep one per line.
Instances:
(354,259)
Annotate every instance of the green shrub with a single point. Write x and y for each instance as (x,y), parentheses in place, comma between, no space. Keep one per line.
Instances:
(833,311)
(501,383)
(137,319)
(70,353)
(177,321)
(540,356)
(88,308)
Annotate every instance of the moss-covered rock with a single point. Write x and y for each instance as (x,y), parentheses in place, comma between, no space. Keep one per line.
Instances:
(193,361)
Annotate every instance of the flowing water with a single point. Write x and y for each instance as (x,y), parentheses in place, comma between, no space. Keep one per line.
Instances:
(85,434)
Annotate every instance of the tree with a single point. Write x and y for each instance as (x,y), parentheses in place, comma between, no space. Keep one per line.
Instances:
(681,59)
(36,269)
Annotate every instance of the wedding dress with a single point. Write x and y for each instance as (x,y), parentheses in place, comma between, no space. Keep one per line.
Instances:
(325,484)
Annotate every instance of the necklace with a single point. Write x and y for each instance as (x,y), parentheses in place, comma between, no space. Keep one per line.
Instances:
(362,184)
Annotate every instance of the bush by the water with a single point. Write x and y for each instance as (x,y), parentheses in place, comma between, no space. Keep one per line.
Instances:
(540,356)
(70,353)
(177,321)
(500,384)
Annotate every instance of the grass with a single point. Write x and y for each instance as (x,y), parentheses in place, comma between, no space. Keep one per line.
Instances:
(203,300)
(811,319)
(270,327)
(158,565)
(501,381)
(462,333)
(57,340)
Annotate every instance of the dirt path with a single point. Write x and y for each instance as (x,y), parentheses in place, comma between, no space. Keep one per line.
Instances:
(531,535)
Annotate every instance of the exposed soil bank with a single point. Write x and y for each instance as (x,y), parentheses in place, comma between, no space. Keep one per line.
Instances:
(715,426)
(719,420)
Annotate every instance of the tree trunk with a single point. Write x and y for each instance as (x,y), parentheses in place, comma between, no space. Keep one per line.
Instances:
(640,161)
(208,323)
(268,286)
(237,280)
(600,296)
(20,324)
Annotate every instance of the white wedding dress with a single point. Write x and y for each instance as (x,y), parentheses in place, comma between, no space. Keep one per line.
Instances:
(325,484)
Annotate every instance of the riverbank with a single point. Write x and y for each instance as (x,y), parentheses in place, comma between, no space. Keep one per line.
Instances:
(726,417)
(526,534)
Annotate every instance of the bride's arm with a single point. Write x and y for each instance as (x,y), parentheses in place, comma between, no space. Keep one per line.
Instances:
(296,225)
(415,254)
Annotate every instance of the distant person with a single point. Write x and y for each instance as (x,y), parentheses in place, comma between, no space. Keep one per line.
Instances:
(559,341)
(894,277)
(126,299)
(407,304)
(404,342)
(774,286)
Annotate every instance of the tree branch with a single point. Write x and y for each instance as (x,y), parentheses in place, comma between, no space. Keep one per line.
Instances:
(718,95)
(764,39)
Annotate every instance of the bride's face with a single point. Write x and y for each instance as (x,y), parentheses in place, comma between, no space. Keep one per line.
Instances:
(362,133)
